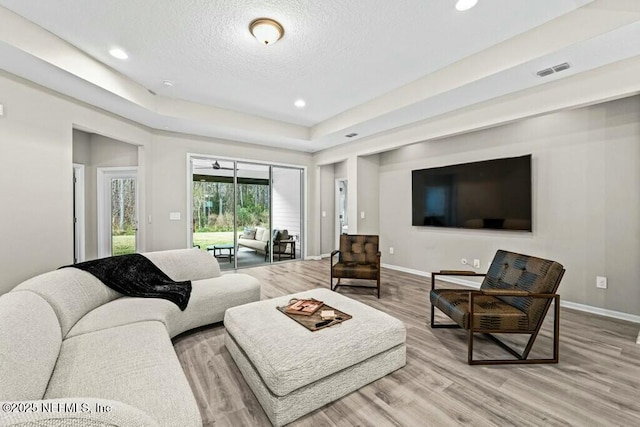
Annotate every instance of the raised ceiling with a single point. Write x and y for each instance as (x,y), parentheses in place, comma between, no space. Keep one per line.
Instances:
(362,66)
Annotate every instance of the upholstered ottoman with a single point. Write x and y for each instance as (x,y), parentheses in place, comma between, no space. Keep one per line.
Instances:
(293,371)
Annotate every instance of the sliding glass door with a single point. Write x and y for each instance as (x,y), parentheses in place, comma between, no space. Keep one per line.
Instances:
(246,214)
(253,214)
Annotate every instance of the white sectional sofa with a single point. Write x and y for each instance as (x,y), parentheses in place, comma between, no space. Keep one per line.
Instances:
(75,352)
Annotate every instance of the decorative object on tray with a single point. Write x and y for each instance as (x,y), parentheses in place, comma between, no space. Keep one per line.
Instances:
(316,320)
(304,307)
(327,314)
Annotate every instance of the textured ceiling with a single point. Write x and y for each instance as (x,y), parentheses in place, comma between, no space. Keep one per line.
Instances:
(335,54)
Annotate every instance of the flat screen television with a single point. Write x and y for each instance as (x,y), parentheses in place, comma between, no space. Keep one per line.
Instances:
(494,194)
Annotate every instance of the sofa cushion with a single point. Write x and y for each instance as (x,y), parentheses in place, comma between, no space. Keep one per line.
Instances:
(134,364)
(488,312)
(30,340)
(248,233)
(185,264)
(71,293)
(260,233)
(510,270)
(209,300)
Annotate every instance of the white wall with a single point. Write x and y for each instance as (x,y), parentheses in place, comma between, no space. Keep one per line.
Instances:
(327,205)
(368,194)
(36,133)
(586,201)
(36,219)
(287,192)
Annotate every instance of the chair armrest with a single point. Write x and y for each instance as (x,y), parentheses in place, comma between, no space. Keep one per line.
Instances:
(506,292)
(334,253)
(453,273)
(458,273)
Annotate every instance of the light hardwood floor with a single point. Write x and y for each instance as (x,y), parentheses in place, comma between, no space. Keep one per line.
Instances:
(596,383)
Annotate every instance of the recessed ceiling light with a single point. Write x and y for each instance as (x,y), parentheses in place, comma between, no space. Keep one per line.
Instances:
(300,103)
(167,83)
(463,5)
(116,52)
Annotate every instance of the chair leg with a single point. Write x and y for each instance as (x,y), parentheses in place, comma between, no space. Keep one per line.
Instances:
(378,286)
(523,357)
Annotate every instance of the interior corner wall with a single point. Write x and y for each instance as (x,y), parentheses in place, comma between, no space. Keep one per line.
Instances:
(94,151)
(368,194)
(586,201)
(36,135)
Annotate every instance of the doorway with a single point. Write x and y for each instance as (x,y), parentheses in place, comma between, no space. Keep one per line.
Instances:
(117,211)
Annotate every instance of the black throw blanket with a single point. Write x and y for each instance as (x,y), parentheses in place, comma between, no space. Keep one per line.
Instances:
(135,275)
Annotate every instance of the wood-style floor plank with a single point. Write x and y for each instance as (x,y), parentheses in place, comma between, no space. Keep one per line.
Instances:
(597,381)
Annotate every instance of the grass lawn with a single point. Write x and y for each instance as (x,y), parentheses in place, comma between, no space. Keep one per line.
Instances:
(123,245)
(213,238)
(127,244)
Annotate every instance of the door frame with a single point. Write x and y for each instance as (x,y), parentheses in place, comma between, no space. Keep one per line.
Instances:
(104,175)
(189,179)
(338,223)
(79,236)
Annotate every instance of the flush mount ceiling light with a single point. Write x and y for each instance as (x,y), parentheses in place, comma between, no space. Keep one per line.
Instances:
(300,103)
(118,53)
(463,5)
(266,31)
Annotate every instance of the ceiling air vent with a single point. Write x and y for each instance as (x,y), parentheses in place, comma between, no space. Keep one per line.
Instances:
(351,135)
(545,72)
(554,69)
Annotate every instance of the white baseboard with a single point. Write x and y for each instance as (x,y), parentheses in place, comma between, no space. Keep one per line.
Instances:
(601,311)
(568,304)
(638,340)
(325,255)
(406,270)
(313,258)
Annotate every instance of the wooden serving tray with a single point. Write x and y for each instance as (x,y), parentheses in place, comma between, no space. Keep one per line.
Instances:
(310,322)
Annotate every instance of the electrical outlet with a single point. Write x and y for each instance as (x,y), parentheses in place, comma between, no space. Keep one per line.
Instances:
(391,251)
(476,263)
(464,261)
(601,282)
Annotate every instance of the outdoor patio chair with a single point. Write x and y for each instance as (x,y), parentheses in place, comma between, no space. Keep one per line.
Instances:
(358,258)
(514,298)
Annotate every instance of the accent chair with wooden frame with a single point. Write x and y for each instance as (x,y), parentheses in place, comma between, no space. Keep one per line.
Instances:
(514,298)
(358,258)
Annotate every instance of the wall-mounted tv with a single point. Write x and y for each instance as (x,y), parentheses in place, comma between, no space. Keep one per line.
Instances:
(494,194)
